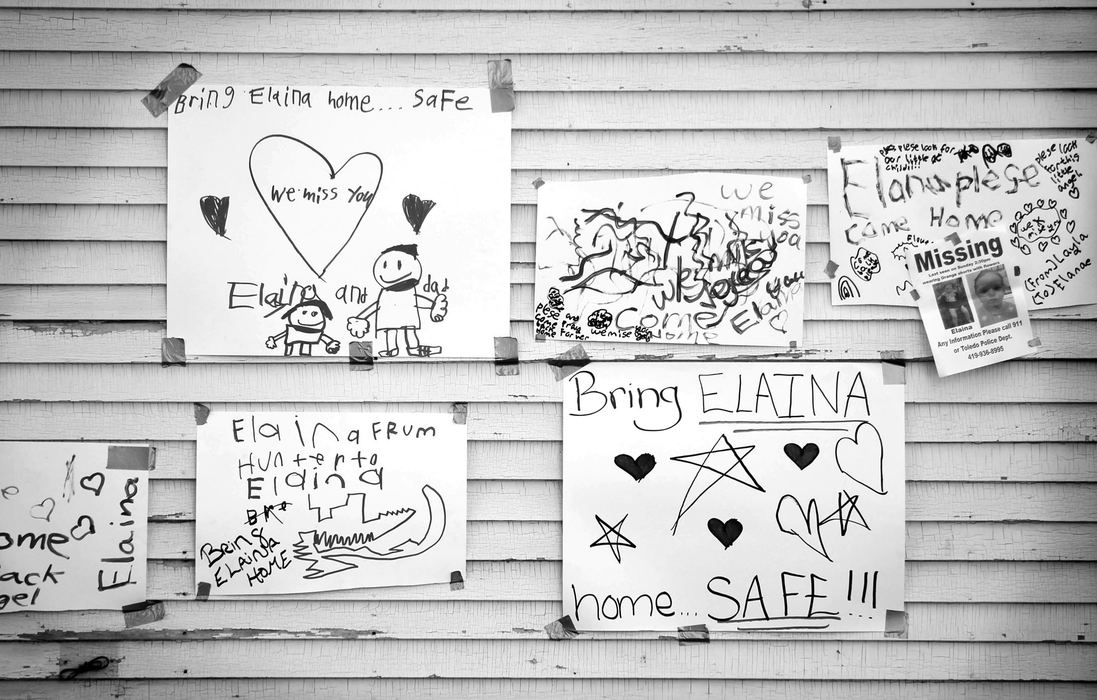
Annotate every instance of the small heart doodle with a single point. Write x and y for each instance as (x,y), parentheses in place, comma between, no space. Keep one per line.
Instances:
(793,520)
(84,526)
(215,210)
(636,468)
(43,510)
(726,531)
(802,456)
(416,210)
(93,482)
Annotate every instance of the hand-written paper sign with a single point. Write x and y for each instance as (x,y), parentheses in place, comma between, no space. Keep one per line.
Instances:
(72,527)
(887,199)
(699,258)
(378,214)
(297,502)
(742,496)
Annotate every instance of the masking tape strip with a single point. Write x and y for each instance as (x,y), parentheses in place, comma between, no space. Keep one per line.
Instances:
(456,581)
(173,352)
(915,295)
(201,413)
(170,88)
(894,372)
(538,183)
(143,613)
(693,634)
(831,268)
(460,412)
(568,362)
(834,143)
(1090,138)
(563,628)
(792,344)
(1016,270)
(895,624)
(501,85)
(807,178)
(506,356)
(361,355)
(1035,343)
(99,663)
(133,458)
(953,238)
(203,591)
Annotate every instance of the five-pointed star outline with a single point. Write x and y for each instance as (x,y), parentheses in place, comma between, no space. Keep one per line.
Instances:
(616,543)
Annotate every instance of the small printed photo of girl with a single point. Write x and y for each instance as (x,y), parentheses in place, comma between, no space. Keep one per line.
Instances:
(952,302)
(993,298)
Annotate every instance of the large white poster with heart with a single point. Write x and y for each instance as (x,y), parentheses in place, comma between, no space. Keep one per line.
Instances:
(303,218)
(742,496)
(73,527)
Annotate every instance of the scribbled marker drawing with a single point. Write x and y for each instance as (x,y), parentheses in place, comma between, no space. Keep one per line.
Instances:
(317,207)
(215,210)
(730,461)
(848,513)
(612,537)
(416,210)
(793,520)
(328,553)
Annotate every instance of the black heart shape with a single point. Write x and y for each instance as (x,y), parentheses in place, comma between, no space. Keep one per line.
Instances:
(727,531)
(215,210)
(93,482)
(802,456)
(416,210)
(636,468)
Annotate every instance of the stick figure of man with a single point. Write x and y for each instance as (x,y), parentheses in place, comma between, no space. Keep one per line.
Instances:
(398,271)
(305,323)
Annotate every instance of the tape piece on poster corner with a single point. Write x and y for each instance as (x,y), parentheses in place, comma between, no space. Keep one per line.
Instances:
(506,356)
(143,613)
(361,355)
(173,352)
(170,88)
(568,362)
(501,85)
(460,411)
(137,458)
(894,372)
(693,634)
(562,628)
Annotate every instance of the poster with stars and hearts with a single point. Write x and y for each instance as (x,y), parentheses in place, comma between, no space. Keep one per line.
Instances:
(742,496)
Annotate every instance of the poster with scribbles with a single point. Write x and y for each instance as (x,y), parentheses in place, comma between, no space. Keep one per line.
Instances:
(299,502)
(886,199)
(73,525)
(302,219)
(742,496)
(702,258)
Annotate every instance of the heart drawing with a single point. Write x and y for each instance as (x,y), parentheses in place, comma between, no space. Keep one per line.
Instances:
(861,457)
(93,482)
(317,207)
(636,468)
(215,210)
(802,456)
(43,510)
(726,531)
(792,520)
(84,526)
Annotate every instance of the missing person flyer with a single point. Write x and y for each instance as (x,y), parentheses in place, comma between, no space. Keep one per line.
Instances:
(971,301)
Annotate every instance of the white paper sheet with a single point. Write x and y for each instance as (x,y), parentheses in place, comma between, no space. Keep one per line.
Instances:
(272,201)
(298,502)
(885,199)
(700,258)
(73,526)
(756,496)
(971,301)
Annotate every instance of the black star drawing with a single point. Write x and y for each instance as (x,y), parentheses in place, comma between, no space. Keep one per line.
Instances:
(614,543)
(723,460)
